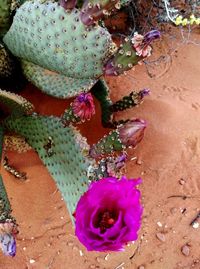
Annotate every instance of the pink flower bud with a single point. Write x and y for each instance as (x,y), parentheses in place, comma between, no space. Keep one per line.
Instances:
(132,132)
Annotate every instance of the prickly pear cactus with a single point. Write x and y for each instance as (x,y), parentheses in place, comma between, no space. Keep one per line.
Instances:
(65,52)
(47,35)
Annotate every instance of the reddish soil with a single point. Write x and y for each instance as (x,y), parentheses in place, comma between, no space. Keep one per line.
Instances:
(167,160)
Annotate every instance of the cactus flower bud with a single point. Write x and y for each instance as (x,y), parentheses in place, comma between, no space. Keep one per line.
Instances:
(132,132)
(126,135)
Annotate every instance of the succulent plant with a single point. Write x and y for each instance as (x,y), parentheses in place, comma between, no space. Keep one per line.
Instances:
(64,51)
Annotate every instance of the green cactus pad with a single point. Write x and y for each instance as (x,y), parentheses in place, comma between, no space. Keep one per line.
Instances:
(101,92)
(62,151)
(14,105)
(107,145)
(49,36)
(68,117)
(53,83)
(4,16)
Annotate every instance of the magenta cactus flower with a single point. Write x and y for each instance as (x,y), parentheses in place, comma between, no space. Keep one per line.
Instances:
(83,106)
(108,215)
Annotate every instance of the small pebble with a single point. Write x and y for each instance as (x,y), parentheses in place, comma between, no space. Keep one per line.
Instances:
(159,224)
(134,158)
(141,267)
(161,237)
(181,181)
(139,161)
(106,257)
(195,225)
(185,250)
(173,210)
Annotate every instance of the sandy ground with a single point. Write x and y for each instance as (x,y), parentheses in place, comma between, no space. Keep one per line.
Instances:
(168,161)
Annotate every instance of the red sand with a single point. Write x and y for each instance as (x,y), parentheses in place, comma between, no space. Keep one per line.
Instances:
(169,152)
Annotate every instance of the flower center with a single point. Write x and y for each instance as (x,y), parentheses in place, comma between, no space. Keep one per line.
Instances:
(106,220)
(83,98)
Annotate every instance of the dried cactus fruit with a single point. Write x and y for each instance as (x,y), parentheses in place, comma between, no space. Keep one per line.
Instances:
(60,42)
(53,83)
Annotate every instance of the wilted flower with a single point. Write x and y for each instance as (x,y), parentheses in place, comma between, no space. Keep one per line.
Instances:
(8,244)
(144,92)
(8,227)
(83,106)
(8,230)
(114,165)
(132,132)
(108,215)
(142,43)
